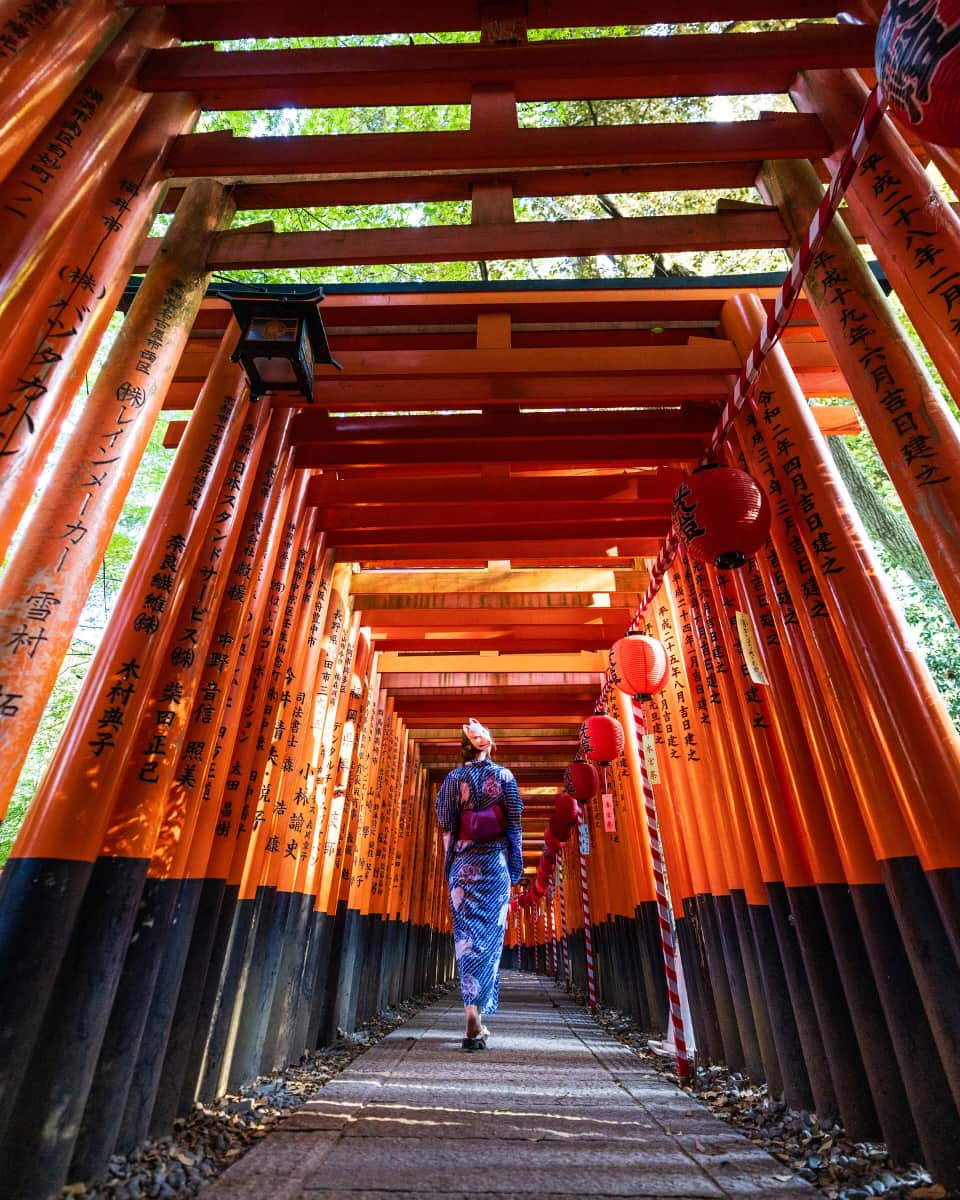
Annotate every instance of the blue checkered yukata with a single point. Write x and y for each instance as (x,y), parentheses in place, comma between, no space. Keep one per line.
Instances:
(479,875)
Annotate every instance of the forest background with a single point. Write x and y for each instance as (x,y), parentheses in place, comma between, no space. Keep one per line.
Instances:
(904,564)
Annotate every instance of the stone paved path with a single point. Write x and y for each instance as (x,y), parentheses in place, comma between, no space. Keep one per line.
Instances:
(555,1107)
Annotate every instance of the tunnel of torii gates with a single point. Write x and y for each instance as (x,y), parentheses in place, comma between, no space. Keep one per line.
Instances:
(233,853)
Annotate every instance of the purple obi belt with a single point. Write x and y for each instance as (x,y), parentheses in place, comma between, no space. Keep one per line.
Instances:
(483,826)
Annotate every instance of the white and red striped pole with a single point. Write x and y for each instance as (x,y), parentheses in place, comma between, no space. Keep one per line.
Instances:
(519,937)
(664,915)
(564,947)
(552,934)
(587,932)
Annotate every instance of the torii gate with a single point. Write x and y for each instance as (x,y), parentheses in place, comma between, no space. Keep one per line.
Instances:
(232,852)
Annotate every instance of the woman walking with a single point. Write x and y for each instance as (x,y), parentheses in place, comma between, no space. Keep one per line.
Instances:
(479,807)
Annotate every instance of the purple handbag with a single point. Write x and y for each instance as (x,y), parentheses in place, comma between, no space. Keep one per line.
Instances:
(483,826)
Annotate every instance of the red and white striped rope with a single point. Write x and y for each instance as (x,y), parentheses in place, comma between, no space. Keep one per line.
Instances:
(552,933)
(519,938)
(564,947)
(776,322)
(587,933)
(664,915)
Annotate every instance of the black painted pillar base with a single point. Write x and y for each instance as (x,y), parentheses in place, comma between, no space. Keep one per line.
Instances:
(696,972)
(854,1098)
(732,1047)
(795,1080)
(121,1043)
(239,918)
(39,902)
(36,1151)
(927,1087)
(753,977)
(186,1016)
(278,1048)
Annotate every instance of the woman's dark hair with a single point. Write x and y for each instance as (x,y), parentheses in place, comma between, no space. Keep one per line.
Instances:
(469,752)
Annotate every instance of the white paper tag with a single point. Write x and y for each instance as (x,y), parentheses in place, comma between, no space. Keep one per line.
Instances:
(751,654)
(650,757)
(609,816)
(584,839)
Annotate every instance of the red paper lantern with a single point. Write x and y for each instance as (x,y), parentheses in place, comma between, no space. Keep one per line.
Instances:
(601,738)
(581,780)
(566,810)
(554,843)
(638,665)
(918,66)
(721,515)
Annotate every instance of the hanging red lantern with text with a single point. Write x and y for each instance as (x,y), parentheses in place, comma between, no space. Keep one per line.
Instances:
(721,515)
(638,665)
(581,780)
(601,739)
(917,60)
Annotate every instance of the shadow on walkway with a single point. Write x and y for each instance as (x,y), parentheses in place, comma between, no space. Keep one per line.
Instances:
(554,1107)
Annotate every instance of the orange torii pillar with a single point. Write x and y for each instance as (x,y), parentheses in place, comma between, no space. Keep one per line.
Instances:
(65,870)
(913,231)
(42,61)
(333,646)
(343,632)
(194,819)
(391,809)
(272,851)
(901,749)
(257,949)
(379,821)
(238,857)
(60,320)
(892,1028)
(333,776)
(346,949)
(914,430)
(361,943)
(144,796)
(300,837)
(50,573)
(206,769)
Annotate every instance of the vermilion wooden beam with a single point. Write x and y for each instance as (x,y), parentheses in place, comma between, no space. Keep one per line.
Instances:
(376,523)
(226,19)
(594,549)
(324,191)
(349,395)
(346,76)
(457,490)
(775,135)
(629,527)
(237,250)
(575,639)
(417,709)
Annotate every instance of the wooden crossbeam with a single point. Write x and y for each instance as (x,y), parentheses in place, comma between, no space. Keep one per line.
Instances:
(484,518)
(320,190)
(775,135)
(566,549)
(229,19)
(486,667)
(457,490)
(237,250)
(347,76)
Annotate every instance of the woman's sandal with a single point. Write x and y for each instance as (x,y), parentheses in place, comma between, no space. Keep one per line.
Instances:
(473,1044)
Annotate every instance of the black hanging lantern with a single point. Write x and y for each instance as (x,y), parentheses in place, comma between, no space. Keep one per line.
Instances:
(281,339)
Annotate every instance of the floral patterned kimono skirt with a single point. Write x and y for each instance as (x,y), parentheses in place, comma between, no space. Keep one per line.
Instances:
(479,876)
